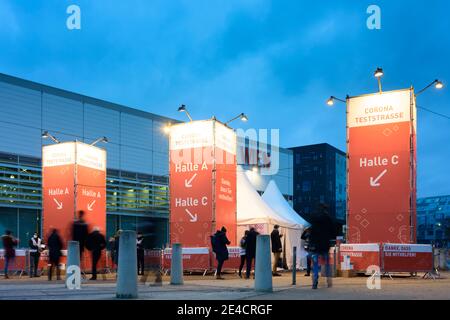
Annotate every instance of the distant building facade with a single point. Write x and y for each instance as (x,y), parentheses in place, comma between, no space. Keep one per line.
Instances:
(320,177)
(433,220)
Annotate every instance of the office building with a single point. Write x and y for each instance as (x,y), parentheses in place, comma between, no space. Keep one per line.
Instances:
(433,221)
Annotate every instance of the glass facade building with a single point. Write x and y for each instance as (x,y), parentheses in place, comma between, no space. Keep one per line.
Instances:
(433,221)
(137,158)
(320,177)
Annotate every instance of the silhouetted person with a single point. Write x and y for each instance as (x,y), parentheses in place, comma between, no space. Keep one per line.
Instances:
(35,244)
(322,232)
(9,242)
(220,242)
(242,252)
(95,243)
(55,246)
(275,239)
(80,232)
(306,235)
(250,250)
(140,253)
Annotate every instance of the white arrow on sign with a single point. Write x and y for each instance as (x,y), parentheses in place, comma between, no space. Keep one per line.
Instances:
(193,217)
(374,182)
(59,204)
(90,205)
(188,183)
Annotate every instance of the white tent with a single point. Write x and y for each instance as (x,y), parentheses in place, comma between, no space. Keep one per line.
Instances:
(253,211)
(274,198)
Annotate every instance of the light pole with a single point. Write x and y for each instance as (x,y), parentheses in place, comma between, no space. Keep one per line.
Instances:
(102,139)
(46,135)
(241,116)
(378,74)
(182,108)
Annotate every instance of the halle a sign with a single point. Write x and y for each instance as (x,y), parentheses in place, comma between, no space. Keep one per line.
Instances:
(381,184)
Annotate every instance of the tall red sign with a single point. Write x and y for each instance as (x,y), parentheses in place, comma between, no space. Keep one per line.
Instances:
(202,182)
(74,179)
(381,167)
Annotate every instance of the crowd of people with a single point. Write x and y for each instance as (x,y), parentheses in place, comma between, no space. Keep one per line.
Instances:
(317,239)
(93,241)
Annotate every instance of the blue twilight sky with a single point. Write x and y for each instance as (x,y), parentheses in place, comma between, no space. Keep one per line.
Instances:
(277,61)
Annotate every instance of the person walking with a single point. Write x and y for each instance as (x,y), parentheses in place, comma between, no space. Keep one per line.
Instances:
(80,233)
(322,232)
(277,248)
(140,253)
(55,246)
(306,236)
(242,252)
(9,243)
(220,242)
(250,250)
(95,243)
(36,246)
(116,248)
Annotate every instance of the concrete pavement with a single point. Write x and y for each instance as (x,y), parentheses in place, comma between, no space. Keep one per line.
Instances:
(233,288)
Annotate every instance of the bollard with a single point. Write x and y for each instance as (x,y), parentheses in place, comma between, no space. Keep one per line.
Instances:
(263,268)
(176,266)
(73,259)
(126,273)
(294,267)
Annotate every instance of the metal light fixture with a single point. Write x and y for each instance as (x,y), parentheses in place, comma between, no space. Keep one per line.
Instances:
(378,73)
(437,84)
(182,108)
(102,139)
(166,129)
(46,135)
(331,100)
(241,116)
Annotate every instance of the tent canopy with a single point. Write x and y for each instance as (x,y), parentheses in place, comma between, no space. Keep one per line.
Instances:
(274,198)
(252,209)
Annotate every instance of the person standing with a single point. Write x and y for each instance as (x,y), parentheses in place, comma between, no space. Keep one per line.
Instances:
(80,233)
(250,250)
(35,244)
(322,232)
(9,242)
(242,252)
(140,253)
(95,243)
(277,248)
(220,242)
(306,235)
(55,246)
(116,248)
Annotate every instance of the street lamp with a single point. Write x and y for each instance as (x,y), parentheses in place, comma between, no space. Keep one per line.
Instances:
(437,84)
(166,128)
(378,74)
(183,109)
(330,101)
(102,139)
(242,116)
(46,135)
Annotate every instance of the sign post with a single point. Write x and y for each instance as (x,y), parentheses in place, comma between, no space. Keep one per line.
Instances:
(381,144)
(202,182)
(74,179)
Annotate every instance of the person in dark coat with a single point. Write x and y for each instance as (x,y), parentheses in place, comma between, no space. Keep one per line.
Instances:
(306,235)
(55,246)
(35,244)
(275,239)
(220,241)
(140,253)
(80,232)
(250,250)
(242,254)
(323,231)
(95,243)
(9,242)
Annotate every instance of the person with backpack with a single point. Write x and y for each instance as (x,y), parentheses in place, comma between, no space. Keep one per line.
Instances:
(219,242)
(242,253)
